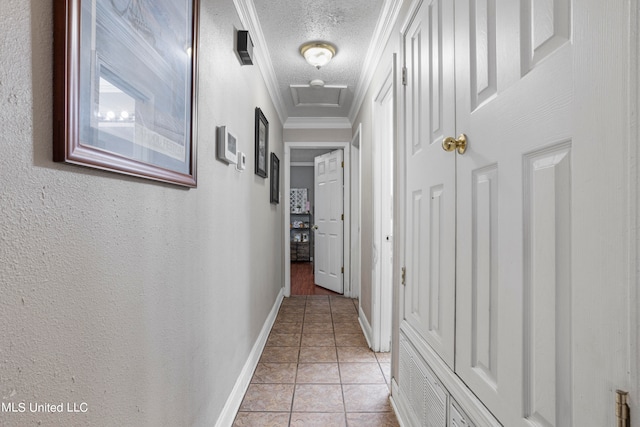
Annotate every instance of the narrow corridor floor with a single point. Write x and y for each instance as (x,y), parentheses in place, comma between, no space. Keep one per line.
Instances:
(317,371)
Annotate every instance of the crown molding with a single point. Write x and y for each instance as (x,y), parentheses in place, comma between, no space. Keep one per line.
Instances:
(381,35)
(317,123)
(249,19)
(387,20)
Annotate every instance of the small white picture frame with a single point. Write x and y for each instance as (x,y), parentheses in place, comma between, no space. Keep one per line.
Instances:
(227,145)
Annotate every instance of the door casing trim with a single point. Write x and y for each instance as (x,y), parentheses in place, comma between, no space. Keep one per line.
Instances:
(346,147)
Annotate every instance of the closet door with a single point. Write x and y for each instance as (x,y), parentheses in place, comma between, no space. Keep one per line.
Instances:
(429,303)
(515,103)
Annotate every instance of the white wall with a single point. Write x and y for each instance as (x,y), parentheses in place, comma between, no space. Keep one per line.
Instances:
(141,299)
(317,135)
(365,118)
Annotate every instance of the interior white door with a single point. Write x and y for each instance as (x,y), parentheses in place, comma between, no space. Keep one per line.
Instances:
(382,276)
(532,327)
(429,303)
(514,102)
(519,220)
(329,234)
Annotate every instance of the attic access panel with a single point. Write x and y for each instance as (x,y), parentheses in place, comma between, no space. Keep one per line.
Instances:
(327,96)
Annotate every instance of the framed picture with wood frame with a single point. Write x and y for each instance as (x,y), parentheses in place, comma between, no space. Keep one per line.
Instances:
(125,78)
(275,179)
(262,143)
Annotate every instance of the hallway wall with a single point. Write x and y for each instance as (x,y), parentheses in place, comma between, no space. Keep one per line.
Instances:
(365,118)
(317,135)
(139,298)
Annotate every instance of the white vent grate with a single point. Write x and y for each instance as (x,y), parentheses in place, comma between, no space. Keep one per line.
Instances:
(426,397)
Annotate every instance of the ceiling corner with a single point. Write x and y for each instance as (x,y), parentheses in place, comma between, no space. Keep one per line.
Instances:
(382,33)
(249,19)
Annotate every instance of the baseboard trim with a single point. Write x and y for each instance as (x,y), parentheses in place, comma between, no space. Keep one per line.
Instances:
(234,401)
(366,327)
(394,404)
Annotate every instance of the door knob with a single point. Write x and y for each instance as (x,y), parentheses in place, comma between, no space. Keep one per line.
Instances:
(315,227)
(450,143)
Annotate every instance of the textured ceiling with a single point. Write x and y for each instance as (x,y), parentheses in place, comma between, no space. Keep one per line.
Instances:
(347,24)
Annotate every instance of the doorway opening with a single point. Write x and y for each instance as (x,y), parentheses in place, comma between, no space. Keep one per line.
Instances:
(382,209)
(300,213)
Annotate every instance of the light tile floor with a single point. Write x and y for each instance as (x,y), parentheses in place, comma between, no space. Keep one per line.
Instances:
(317,371)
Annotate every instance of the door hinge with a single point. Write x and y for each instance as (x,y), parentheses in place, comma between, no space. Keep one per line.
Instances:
(342,165)
(404,76)
(404,276)
(343,217)
(622,409)
(342,270)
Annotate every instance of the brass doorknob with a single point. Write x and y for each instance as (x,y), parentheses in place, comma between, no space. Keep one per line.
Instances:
(450,143)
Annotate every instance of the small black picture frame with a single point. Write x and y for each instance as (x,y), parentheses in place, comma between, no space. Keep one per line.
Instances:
(275,179)
(262,143)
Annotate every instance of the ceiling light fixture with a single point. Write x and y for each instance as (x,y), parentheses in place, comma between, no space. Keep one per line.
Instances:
(318,54)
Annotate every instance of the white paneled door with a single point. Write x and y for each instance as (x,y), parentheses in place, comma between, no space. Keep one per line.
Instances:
(514,102)
(430,197)
(492,235)
(329,221)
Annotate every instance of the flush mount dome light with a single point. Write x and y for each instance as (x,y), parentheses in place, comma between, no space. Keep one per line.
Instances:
(318,54)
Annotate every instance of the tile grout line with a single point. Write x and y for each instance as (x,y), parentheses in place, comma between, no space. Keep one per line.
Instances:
(334,309)
(344,400)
